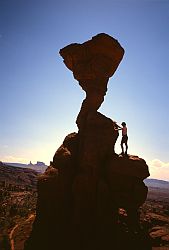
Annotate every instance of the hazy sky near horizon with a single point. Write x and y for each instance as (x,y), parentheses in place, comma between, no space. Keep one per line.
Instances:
(40,99)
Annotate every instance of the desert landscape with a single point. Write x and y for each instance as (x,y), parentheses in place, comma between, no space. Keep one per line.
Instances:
(18,199)
(89,197)
(18,195)
(84,129)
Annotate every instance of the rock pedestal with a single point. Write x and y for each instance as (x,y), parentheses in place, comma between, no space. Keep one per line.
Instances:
(82,190)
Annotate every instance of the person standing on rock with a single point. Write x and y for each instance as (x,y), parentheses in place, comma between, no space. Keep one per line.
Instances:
(124,138)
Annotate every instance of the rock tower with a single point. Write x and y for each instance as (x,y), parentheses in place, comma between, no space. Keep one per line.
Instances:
(80,193)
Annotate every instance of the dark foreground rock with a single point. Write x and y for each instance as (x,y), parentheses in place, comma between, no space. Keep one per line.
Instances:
(70,216)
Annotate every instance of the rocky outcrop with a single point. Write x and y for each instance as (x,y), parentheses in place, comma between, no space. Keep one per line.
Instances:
(82,190)
(70,215)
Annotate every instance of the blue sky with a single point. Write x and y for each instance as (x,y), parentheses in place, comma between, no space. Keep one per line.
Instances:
(40,99)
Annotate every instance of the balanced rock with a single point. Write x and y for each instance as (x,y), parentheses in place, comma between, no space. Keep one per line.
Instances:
(92,63)
(82,190)
(95,59)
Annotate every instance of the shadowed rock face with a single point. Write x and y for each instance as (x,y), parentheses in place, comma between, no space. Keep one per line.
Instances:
(80,193)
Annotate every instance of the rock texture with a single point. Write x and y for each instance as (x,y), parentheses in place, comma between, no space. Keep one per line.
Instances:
(80,194)
(92,63)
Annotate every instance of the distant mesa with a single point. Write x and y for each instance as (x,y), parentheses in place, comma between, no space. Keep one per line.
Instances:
(39,166)
(16,178)
(80,193)
(39,163)
(154,183)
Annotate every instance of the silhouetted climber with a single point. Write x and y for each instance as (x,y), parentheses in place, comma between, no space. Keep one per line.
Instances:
(124,136)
